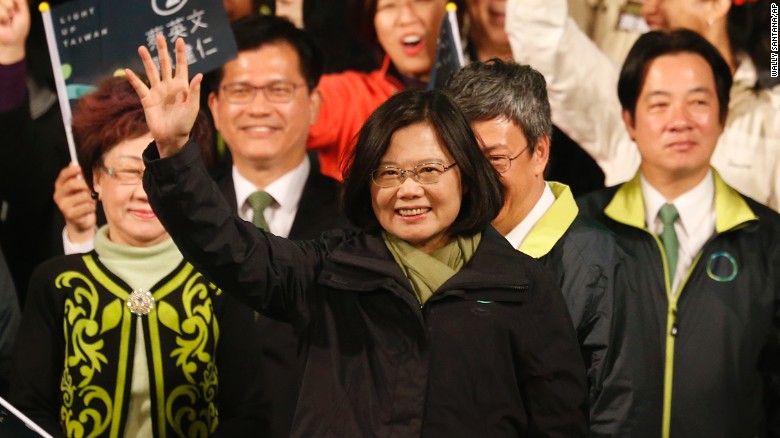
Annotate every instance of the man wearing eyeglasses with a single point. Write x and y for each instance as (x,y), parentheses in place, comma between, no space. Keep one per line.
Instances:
(263,103)
(509,111)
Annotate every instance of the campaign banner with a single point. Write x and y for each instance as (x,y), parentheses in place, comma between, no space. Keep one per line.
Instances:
(96,38)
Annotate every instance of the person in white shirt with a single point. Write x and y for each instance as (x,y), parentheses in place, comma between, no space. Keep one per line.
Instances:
(581,83)
(710,259)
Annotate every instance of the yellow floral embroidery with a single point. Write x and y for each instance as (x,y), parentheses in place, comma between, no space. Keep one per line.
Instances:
(83,353)
(195,357)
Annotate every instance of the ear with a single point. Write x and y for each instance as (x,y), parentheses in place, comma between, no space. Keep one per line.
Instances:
(541,155)
(315,104)
(212,108)
(97,187)
(629,122)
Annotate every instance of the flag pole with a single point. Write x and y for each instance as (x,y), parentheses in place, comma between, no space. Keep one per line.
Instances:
(452,16)
(59,80)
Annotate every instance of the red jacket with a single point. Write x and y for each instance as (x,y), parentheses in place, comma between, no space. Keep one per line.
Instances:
(348,98)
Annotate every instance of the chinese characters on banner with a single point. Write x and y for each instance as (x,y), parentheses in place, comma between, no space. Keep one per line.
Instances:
(96,38)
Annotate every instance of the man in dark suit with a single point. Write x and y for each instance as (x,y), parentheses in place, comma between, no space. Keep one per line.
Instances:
(263,103)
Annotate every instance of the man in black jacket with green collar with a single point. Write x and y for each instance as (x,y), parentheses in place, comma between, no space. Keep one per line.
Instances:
(710,256)
(508,108)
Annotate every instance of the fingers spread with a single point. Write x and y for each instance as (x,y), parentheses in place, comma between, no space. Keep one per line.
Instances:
(166,69)
(138,85)
(181,60)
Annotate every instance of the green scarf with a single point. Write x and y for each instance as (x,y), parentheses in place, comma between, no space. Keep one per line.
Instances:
(428,272)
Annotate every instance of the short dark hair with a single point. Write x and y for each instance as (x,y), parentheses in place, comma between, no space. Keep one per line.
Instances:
(480,183)
(254,31)
(504,89)
(111,114)
(652,45)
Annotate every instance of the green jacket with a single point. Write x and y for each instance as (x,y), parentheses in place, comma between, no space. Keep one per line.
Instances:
(721,363)
(591,268)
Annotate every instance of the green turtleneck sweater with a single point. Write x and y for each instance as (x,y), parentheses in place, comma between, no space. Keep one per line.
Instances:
(141,267)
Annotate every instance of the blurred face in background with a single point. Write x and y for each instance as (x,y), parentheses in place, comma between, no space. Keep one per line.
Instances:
(408,31)
(521,169)
(680,14)
(130,218)
(264,133)
(238,8)
(486,23)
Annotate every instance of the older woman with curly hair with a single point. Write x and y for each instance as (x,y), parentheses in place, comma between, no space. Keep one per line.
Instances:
(130,339)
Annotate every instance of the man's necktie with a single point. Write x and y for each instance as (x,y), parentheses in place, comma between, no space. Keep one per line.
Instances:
(669,215)
(259,201)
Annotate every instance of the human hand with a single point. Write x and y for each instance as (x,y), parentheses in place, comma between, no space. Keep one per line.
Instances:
(14,28)
(74,199)
(170,103)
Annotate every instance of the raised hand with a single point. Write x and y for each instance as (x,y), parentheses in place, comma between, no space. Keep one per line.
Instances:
(170,103)
(74,199)
(14,27)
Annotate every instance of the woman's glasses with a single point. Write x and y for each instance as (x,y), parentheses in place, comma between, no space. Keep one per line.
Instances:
(124,176)
(426,173)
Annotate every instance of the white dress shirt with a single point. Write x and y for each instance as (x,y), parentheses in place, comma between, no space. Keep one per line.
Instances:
(286,192)
(695,225)
(521,231)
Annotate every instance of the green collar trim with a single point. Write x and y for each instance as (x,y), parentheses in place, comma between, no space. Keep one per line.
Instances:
(731,209)
(160,291)
(628,204)
(549,229)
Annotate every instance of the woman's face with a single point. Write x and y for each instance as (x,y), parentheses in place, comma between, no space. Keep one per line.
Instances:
(676,14)
(131,220)
(418,213)
(487,20)
(408,31)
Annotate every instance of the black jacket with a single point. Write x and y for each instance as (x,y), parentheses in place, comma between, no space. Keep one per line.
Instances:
(616,337)
(492,353)
(721,332)
(32,153)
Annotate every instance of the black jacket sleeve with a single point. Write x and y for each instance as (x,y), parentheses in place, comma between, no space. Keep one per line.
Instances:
(38,353)
(271,274)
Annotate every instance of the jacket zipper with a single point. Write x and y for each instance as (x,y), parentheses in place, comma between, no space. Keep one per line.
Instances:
(672,330)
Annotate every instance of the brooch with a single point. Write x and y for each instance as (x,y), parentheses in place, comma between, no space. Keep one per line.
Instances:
(140,302)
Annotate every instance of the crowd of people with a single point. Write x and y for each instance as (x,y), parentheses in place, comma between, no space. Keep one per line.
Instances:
(576,235)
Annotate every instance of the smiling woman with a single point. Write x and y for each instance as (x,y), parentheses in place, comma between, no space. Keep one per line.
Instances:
(395,322)
(131,321)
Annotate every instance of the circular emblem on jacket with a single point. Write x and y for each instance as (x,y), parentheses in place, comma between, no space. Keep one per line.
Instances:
(722,266)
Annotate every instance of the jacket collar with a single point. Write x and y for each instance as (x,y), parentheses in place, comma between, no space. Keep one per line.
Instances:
(553,224)
(363,263)
(731,209)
